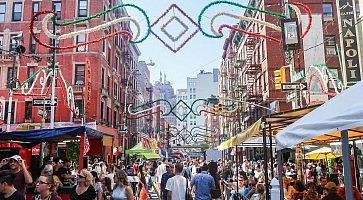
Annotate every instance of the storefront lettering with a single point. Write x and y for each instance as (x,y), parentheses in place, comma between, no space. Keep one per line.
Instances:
(349,42)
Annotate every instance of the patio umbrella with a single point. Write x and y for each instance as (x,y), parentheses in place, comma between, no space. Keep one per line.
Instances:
(322,153)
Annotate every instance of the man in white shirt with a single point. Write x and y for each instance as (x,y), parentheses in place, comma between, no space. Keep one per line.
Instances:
(160,171)
(177,185)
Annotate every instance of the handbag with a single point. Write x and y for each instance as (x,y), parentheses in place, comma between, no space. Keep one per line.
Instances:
(188,196)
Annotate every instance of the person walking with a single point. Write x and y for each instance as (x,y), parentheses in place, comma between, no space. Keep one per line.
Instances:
(45,186)
(122,189)
(177,185)
(202,184)
(84,189)
(164,179)
(7,189)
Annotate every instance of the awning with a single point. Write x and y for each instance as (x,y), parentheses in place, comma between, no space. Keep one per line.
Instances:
(149,155)
(322,153)
(252,131)
(48,135)
(138,149)
(343,112)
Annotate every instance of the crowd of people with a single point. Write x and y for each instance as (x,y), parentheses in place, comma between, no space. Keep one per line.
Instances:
(170,179)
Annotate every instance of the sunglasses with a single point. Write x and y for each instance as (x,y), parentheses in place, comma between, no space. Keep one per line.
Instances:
(80,176)
(42,183)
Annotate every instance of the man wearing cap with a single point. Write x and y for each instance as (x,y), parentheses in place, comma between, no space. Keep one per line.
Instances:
(18,167)
(331,187)
(65,172)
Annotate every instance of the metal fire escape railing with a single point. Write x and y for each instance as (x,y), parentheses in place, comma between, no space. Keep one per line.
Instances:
(252,70)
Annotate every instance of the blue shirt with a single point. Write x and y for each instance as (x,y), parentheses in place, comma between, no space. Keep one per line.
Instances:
(204,183)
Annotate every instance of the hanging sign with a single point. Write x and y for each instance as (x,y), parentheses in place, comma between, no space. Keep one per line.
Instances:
(88,88)
(349,41)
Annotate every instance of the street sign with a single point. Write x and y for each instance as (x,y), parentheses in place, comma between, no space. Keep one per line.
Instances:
(43,102)
(294,86)
(291,97)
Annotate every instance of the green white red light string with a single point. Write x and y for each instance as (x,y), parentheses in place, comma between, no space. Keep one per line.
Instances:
(219,34)
(47,19)
(70,46)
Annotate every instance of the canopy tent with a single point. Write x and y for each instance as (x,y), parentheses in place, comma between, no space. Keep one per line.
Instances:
(255,142)
(251,131)
(48,135)
(322,153)
(343,112)
(151,155)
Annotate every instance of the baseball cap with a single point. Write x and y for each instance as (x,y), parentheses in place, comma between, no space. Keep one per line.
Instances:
(15,157)
(330,186)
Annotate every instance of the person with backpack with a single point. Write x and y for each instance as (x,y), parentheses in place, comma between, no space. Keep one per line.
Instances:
(213,171)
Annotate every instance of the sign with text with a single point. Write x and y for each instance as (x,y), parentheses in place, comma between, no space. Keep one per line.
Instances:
(349,41)
(88,88)
(44,102)
(293,86)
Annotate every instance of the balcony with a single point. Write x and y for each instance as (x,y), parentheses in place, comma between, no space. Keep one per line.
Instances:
(254,69)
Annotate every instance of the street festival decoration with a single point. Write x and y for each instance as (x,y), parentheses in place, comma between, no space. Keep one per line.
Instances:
(174,19)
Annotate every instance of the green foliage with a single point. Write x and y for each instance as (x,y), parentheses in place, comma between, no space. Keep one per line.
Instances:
(73,149)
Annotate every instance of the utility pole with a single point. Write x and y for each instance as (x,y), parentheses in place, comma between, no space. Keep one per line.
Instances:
(52,110)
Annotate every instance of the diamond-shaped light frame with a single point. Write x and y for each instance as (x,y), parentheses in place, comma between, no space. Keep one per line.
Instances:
(177,37)
(181,116)
(169,46)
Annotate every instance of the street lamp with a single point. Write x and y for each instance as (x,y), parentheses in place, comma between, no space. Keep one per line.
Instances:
(124,126)
(18,50)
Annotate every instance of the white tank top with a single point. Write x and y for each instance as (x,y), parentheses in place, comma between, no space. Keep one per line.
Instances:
(119,193)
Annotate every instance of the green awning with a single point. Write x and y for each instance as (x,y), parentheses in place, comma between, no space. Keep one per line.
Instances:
(150,155)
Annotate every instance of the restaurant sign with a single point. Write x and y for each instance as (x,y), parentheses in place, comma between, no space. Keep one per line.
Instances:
(349,42)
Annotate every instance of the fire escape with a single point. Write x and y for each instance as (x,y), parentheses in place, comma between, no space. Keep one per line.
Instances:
(252,70)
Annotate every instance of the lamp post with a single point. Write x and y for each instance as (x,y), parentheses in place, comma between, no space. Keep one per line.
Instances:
(14,52)
(124,128)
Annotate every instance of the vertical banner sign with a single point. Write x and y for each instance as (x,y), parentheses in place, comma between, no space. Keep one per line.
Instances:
(88,88)
(349,41)
(299,161)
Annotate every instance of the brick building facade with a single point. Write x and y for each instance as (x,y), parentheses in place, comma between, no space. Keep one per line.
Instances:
(110,64)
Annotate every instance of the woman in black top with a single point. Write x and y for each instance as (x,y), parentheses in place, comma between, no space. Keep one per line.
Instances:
(7,189)
(84,190)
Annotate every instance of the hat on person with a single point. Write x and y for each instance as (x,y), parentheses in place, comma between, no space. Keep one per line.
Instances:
(330,186)
(15,157)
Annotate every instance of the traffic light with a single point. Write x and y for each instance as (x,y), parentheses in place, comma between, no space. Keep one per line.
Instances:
(218,109)
(280,77)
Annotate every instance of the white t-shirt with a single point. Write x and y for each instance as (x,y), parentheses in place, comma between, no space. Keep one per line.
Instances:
(177,185)
(160,171)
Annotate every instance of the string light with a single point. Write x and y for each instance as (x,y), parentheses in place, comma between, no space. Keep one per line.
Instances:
(48,17)
(258,35)
(270,25)
(310,16)
(123,32)
(233,4)
(79,20)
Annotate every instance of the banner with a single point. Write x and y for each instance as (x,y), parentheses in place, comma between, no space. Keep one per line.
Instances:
(349,41)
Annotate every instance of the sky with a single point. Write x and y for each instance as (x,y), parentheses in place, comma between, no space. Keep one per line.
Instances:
(200,53)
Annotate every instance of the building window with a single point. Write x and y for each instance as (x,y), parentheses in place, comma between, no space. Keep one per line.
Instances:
(35,8)
(2,12)
(117,60)
(327,12)
(32,45)
(191,96)
(114,119)
(1,43)
(57,6)
(79,74)
(108,84)
(195,123)
(103,78)
(28,109)
(13,43)
(194,96)
(12,112)
(108,116)
(17,11)
(30,72)
(330,46)
(102,110)
(9,76)
(78,103)
(82,8)
(115,87)
(109,56)
(104,16)
(81,39)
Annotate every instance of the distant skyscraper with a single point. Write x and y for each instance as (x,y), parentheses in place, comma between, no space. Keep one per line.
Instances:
(201,87)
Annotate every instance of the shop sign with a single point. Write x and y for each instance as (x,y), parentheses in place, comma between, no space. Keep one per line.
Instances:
(349,41)
(88,88)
